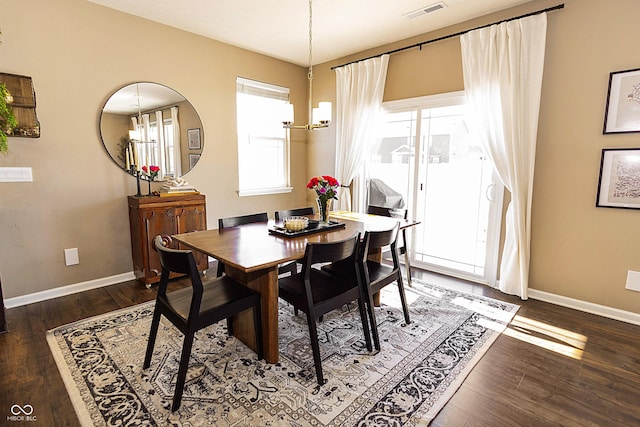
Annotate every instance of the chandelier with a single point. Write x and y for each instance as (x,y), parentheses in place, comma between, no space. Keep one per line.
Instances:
(320,117)
(137,135)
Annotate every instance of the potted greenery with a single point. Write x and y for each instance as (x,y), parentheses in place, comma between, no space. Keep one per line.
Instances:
(7,119)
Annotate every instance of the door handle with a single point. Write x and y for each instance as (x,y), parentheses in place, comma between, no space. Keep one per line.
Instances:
(489,192)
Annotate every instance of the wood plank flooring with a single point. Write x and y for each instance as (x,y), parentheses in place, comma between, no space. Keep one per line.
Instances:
(517,383)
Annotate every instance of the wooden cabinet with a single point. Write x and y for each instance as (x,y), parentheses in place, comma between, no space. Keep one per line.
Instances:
(153,215)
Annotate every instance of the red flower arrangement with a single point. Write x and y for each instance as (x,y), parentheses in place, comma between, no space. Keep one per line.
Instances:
(152,171)
(325,186)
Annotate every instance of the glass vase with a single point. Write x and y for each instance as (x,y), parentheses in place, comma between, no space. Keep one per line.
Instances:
(323,210)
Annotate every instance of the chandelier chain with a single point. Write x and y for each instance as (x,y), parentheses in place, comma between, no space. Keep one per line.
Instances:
(310,40)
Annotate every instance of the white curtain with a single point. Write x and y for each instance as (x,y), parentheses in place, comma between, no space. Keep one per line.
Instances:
(359,87)
(176,142)
(159,147)
(135,152)
(502,67)
(149,153)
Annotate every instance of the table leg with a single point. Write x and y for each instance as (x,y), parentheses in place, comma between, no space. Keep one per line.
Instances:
(266,282)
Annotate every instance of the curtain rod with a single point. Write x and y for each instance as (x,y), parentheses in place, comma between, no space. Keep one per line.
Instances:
(419,45)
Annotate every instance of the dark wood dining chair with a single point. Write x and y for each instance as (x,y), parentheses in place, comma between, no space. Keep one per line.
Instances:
(196,307)
(235,221)
(375,275)
(279,215)
(316,292)
(397,213)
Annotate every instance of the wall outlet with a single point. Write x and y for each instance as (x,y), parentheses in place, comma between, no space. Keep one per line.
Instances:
(12,174)
(71,257)
(633,280)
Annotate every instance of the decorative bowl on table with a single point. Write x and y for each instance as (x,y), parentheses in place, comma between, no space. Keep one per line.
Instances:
(295,223)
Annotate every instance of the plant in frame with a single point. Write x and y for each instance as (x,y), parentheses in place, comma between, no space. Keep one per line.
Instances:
(7,119)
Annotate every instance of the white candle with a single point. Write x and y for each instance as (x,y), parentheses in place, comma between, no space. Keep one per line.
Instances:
(126,159)
(135,157)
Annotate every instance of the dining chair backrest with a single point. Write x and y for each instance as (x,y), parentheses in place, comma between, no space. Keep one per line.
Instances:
(235,221)
(390,212)
(178,261)
(381,239)
(329,252)
(293,212)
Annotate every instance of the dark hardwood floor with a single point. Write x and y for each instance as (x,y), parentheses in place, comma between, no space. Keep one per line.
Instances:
(517,383)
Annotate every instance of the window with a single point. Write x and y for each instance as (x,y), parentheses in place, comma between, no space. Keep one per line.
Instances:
(155,150)
(263,144)
(169,149)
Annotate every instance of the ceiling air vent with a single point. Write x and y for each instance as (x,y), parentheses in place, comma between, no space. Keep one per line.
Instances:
(425,10)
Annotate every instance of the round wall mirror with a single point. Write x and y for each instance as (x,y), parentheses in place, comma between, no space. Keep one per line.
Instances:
(149,124)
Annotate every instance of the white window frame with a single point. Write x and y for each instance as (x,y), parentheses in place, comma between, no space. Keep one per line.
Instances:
(245,136)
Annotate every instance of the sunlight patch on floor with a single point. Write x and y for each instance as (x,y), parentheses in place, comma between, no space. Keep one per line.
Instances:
(391,297)
(552,338)
(480,307)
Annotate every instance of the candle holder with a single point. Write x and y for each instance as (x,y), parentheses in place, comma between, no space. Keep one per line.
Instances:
(134,171)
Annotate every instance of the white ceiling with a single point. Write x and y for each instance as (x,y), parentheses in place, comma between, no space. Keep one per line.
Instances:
(138,97)
(280,28)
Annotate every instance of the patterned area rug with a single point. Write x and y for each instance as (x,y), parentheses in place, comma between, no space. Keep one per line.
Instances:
(419,368)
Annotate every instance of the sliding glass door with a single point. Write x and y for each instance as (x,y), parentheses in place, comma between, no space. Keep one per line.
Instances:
(425,152)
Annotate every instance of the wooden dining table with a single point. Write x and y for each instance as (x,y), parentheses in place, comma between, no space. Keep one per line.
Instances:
(251,255)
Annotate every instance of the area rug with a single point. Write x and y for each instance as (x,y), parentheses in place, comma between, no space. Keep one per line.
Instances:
(418,369)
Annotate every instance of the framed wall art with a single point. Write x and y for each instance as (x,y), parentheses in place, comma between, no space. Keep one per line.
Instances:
(193,159)
(194,139)
(619,182)
(622,114)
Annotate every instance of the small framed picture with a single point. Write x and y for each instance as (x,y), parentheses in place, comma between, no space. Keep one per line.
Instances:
(193,159)
(194,139)
(619,182)
(622,114)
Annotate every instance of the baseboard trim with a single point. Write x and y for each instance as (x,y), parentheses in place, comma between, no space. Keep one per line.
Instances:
(589,307)
(68,290)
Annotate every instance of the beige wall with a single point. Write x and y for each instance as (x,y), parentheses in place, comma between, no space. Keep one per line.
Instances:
(78,53)
(577,250)
(81,52)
